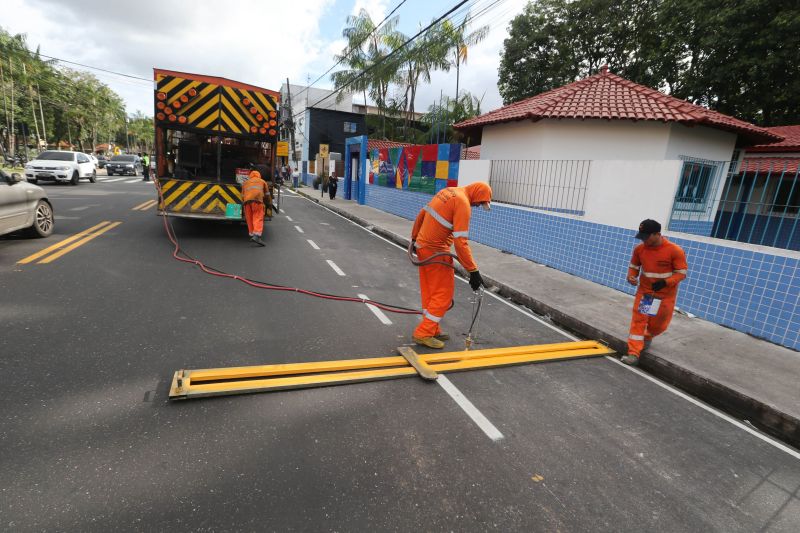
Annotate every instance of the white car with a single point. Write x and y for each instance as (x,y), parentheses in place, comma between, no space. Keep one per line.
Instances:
(94,160)
(61,166)
(24,206)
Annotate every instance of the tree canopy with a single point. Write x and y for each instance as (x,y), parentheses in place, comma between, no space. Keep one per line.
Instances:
(44,104)
(740,58)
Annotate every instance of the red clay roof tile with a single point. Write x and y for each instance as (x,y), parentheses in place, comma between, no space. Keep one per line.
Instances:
(790,142)
(608,96)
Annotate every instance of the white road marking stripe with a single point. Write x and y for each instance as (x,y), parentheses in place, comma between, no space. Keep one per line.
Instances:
(81,208)
(298,228)
(313,244)
(377,312)
(769,440)
(335,267)
(115,179)
(720,414)
(288,217)
(132,181)
(486,426)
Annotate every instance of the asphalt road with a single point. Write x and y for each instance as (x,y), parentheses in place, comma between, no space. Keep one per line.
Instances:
(90,442)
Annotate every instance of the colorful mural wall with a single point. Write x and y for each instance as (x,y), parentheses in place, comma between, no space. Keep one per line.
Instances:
(424,168)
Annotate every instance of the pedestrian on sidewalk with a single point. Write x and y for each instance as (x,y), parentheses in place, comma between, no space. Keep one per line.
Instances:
(441,223)
(657,266)
(254,191)
(145,167)
(333,185)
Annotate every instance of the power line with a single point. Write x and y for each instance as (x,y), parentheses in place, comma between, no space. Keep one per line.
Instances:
(98,68)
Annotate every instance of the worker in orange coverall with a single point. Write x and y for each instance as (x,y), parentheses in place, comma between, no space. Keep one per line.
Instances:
(657,266)
(445,221)
(254,191)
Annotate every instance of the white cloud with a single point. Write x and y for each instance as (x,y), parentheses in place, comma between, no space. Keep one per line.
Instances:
(252,41)
(377,9)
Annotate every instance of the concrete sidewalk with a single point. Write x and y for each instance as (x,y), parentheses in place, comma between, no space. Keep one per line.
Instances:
(751,379)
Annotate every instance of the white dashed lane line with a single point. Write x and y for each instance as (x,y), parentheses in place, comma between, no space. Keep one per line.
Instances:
(289,218)
(335,267)
(298,228)
(313,244)
(377,312)
(132,181)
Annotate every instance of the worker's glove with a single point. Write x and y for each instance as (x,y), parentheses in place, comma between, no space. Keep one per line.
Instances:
(414,247)
(475,280)
(658,285)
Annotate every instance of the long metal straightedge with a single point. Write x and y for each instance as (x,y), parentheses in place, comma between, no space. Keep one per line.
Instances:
(263,378)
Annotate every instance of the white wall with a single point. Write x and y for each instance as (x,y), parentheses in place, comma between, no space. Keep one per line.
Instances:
(699,142)
(575,139)
(472,170)
(623,193)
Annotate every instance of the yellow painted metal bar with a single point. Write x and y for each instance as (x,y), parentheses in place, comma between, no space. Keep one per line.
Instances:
(167,186)
(236,380)
(177,192)
(189,197)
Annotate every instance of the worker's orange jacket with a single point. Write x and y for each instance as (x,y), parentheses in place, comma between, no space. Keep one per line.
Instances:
(652,263)
(445,220)
(254,190)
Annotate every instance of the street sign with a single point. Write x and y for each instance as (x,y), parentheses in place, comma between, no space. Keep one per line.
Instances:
(283,149)
(323,150)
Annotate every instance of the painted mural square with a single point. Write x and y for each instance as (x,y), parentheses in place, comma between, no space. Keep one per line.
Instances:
(421,168)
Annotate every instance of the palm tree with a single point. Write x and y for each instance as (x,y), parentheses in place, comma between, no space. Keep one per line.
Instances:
(460,41)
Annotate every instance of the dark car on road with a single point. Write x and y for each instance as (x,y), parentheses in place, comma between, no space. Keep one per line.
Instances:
(101,161)
(124,164)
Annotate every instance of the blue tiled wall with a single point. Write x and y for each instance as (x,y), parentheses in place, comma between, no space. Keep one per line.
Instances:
(753,292)
(695,227)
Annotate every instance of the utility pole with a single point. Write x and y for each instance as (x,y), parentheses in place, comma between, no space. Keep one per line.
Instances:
(13,140)
(41,112)
(290,122)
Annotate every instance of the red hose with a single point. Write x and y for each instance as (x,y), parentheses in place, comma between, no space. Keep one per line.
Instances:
(260,285)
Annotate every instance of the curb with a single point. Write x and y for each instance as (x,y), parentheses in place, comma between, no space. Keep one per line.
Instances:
(765,417)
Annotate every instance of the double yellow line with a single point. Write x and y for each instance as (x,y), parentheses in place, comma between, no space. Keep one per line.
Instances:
(144,206)
(70,243)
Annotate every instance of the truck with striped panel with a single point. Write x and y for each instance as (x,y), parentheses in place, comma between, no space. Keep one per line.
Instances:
(207,127)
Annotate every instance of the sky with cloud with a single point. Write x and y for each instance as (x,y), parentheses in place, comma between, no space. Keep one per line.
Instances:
(254,41)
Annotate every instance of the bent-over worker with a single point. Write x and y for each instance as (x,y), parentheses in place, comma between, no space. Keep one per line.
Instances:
(657,266)
(254,191)
(444,221)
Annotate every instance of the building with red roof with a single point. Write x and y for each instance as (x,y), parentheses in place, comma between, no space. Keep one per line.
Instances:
(605,116)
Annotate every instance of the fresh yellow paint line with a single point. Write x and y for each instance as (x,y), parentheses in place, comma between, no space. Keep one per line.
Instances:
(81,242)
(145,205)
(59,244)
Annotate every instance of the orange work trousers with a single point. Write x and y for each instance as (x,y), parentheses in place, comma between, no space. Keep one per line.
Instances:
(645,327)
(436,285)
(254,214)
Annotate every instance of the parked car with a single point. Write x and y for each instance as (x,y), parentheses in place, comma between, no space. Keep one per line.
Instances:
(61,166)
(24,206)
(101,161)
(124,164)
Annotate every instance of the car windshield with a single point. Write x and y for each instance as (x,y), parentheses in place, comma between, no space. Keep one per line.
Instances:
(56,156)
(125,158)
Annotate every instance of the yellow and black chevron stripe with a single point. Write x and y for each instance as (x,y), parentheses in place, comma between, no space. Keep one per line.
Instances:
(198,198)
(187,103)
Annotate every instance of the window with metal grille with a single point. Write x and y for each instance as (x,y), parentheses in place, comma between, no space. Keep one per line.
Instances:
(696,180)
(787,200)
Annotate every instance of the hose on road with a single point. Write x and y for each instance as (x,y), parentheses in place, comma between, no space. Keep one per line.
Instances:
(179,254)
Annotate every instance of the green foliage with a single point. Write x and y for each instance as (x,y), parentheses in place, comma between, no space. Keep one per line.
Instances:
(441,117)
(740,58)
(44,104)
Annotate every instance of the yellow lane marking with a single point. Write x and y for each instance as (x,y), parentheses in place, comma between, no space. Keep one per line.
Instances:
(59,244)
(188,198)
(81,242)
(145,205)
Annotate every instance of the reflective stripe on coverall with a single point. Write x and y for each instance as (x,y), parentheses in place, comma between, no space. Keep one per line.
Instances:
(650,264)
(441,223)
